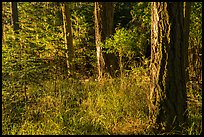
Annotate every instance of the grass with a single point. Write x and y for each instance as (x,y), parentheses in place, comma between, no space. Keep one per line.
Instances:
(86,107)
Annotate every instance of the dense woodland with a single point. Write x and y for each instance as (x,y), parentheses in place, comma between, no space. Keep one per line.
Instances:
(92,68)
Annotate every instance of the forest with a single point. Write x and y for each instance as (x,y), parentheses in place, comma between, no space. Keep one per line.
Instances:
(102,68)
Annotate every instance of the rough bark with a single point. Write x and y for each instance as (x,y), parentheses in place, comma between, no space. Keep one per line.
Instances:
(14,16)
(98,34)
(187,10)
(104,12)
(111,61)
(68,38)
(168,107)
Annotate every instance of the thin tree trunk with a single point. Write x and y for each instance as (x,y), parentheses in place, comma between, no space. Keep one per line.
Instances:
(14,16)
(98,34)
(68,38)
(168,106)
(3,26)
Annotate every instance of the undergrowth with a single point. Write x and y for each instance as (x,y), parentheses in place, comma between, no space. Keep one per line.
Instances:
(86,107)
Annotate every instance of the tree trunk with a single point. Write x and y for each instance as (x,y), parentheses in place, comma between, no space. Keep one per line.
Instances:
(14,16)
(111,61)
(168,106)
(104,12)
(187,10)
(68,38)
(3,26)
(98,34)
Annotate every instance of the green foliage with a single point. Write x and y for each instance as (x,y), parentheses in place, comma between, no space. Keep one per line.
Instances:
(196,19)
(128,45)
(195,44)
(37,99)
(84,37)
(121,19)
(141,14)
(120,43)
(141,25)
(21,52)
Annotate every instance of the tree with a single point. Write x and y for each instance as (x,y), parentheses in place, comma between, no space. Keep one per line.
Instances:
(103,29)
(68,37)
(14,16)
(168,106)
(187,10)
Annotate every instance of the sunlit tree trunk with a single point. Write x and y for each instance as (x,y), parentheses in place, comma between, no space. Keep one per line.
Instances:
(187,10)
(104,13)
(98,30)
(168,106)
(68,38)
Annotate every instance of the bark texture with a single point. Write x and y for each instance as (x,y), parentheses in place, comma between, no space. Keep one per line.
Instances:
(187,11)
(68,38)
(104,12)
(98,34)
(168,106)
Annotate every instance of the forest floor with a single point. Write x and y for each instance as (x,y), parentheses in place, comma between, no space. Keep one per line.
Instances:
(89,107)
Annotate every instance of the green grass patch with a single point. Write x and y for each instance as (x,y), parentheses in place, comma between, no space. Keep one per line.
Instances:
(86,107)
